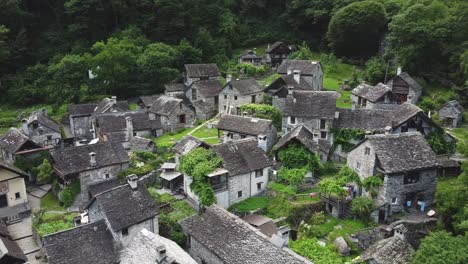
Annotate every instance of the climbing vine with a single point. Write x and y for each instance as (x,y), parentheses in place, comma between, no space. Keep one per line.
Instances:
(264,111)
(343,137)
(296,162)
(198,164)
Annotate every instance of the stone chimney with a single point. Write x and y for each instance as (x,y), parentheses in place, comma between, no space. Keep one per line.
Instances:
(353,106)
(132,180)
(44,111)
(290,89)
(289,71)
(337,115)
(24,126)
(398,71)
(400,231)
(262,142)
(113,99)
(388,130)
(297,76)
(129,128)
(228,77)
(162,254)
(92,159)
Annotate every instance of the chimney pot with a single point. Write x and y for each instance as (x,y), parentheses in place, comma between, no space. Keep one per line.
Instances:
(129,127)
(297,76)
(353,106)
(262,142)
(228,78)
(132,180)
(398,72)
(92,159)
(290,89)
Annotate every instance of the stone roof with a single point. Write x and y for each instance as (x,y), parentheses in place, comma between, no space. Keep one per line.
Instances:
(245,125)
(10,252)
(4,229)
(202,70)
(371,93)
(207,88)
(13,140)
(403,152)
(90,243)
(242,156)
(12,168)
(81,109)
(365,119)
(451,109)
(311,104)
(392,250)
(409,80)
(140,143)
(203,106)
(116,122)
(306,67)
(234,241)
(187,144)
(102,186)
(174,87)
(165,105)
(246,86)
(107,103)
(262,223)
(144,249)
(73,160)
(44,120)
(148,100)
(275,45)
(124,207)
(304,136)
(249,54)
(401,114)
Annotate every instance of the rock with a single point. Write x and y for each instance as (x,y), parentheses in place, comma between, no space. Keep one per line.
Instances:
(321,243)
(342,246)
(338,227)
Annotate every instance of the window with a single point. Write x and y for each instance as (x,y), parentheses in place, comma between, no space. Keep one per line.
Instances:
(253,99)
(230,135)
(49,137)
(258,173)
(394,200)
(107,175)
(224,107)
(367,151)
(358,166)
(411,178)
(17,195)
(194,94)
(322,124)
(259,186)
(323,135)
(239,194)
(125,232)
(243,136)
(225,96)
(404,129)
(182,119)
(292,120)
(235,97)
(134,134)
(35,125)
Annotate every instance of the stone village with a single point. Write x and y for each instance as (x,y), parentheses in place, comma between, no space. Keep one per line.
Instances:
(303,152)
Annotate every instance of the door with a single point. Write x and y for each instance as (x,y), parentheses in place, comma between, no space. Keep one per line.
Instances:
(3,201)
(182,119)
(253,99)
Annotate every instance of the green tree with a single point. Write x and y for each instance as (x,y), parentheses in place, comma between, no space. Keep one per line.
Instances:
(331,187)
(442,248)
(362,206)
(293,176)
(371,184)
(355,29)
(44,174)
(439,142)
(296,156)
(375,70)
(4,48)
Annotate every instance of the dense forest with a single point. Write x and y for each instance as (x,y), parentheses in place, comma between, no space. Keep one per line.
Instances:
(133,47)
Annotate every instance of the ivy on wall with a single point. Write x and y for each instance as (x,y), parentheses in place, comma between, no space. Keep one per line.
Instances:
(264,111)
(296,162)
(343,137)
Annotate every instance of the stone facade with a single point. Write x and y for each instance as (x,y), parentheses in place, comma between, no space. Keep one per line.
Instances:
(320,126)
(181,117)
(271,137)
(230,100)
(200,253)
(80,126)
(385,103)
(13,188)
(41,134)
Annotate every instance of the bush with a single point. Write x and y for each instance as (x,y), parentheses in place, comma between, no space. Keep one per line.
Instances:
(310,249)
(68,194)
(362,206)
(292,176)
(375,70)
(439,143)
(264,111)
(44,174)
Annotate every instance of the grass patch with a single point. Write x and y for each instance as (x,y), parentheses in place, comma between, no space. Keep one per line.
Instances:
(251,204)
(205,132)
(181,210)
(169,139)
(51,203)
(133,107)
(259,49)
(51,223)
(332,81)
(281,188)
(267,80)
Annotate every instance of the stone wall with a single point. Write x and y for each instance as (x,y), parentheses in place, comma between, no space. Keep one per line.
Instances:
(172,122)
(272,137)
(227,99)
(201,254)
(313,124)
(80,127)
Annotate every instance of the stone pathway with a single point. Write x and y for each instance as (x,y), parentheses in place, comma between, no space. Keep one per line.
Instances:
(200,126)
(21,233)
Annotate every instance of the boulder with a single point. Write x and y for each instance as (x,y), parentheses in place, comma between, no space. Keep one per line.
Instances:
(342,246)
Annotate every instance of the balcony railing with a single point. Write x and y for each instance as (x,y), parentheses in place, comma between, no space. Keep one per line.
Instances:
(219,187)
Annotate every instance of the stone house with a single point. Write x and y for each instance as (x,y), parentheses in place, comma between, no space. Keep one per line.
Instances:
(147,101)
(250,57)
(244,173)
(197,72)
(148,247)
(42,129)
(11,253)
(82,115)
(171,179)
(174,89)
(141,144)
(217,236)
(237,93)
(232,127)
(407,166)
(269,227)
(405,88)
(310,71)
(451,114)
(379,96)
(127,209)
(277,52)
(121,127)
(89,164)
(279,89)
(204,97)
(116,217)
(174,113)
(14,143)
(13,198)
(313,109)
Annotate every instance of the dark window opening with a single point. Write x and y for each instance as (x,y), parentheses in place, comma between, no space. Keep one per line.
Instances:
(239,194)
(322,124)
(253,99)
(323,135)
(3,201)
(404,129)
(258,173)
(259,186)
(182,119)
(125,232)
(235,97)
(367,151)
(194,94)
(292,120)
(17,195)
(411,178)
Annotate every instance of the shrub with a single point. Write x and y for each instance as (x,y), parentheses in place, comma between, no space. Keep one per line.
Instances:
(292,176)
(68,194)
(44,174)
(439,143)
(264,111)
(310,249)
(362,206)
